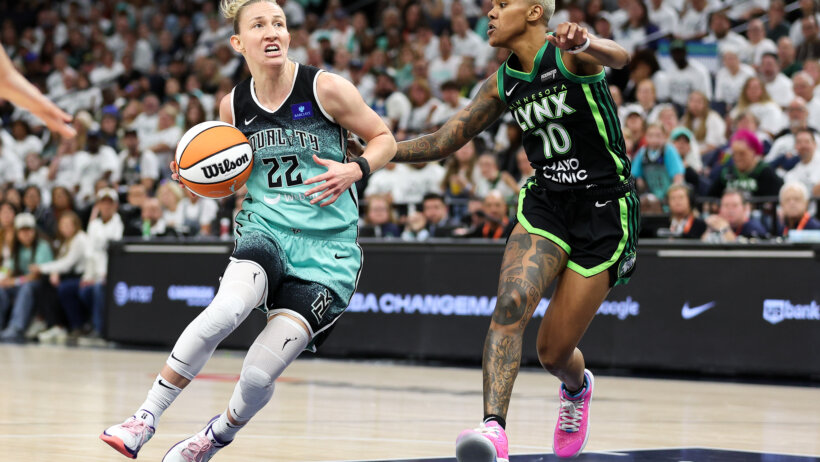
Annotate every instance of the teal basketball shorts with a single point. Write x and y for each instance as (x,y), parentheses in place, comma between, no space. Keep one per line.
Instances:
(310,277)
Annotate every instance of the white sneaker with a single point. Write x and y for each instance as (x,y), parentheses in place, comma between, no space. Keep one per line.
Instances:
(37,326)
(129,436)
(198,448)
(56,334)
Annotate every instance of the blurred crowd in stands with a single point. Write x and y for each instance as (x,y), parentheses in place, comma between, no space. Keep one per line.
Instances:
(719,106)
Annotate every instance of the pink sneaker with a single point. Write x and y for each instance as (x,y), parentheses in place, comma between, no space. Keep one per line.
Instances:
(198,448)
(487,443)
(129,436)
(572,428)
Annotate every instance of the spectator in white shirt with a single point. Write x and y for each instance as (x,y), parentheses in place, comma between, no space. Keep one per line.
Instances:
(807,171)
(164,138)
(97,162)
(492,178)
(744,10)
(731,77)
(758,42)
(777,84)
(663,15)
(421,115)
(54,81)
(393,106)
(807,8)
(105,226)
(146,121)
(782,155)
(707,125)
(11,169)
(382,182)
(107,71)
(720,32)
(468,43)
(694,22)
(452,102)
(756,100)
(198,214)
(443,67)
(20,141)
(136,165)
(803,85)
(685,76)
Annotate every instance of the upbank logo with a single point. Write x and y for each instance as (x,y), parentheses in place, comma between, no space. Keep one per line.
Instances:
(776,311)
(191,295)
(462,305)
(134,294)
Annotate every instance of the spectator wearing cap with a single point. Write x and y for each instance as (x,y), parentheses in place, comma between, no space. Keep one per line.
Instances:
(109,128)
(778,86)
(20,286)
(731,77)
(755,99)
(392,105)
(683,221)
(733,220)
(136,165)
(635,128)
(683,77)
(810,48)
(794,209)
(807,169)
(105,226)
(746,171)
(707,125)
(687,146)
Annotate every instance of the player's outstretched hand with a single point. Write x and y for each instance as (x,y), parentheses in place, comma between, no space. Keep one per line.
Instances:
(334,182)
(568,35)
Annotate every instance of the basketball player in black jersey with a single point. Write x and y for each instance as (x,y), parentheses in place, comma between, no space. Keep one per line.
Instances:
(577,216)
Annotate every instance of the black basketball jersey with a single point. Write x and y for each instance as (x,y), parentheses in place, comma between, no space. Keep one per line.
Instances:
(572,135)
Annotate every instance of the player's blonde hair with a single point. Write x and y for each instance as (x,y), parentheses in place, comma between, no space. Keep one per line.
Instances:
(231,9)
(549,9)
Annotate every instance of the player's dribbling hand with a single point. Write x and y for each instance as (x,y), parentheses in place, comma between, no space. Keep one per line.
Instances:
(334,182)
(568,35)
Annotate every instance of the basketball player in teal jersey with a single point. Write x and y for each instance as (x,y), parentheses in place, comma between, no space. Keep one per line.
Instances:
(577,216)
(296,256)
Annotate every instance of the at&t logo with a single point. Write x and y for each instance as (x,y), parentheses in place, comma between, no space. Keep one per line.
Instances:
(134,294)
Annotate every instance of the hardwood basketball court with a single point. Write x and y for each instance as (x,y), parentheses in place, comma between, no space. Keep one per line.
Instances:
(55,401)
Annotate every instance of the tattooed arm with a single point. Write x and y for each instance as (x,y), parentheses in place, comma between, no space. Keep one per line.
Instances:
(456,132)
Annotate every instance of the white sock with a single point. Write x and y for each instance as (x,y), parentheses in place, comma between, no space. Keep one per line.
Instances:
(224,430)
(160,396)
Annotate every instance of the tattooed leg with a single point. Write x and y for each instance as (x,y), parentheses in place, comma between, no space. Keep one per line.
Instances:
(573,305)
(530,265)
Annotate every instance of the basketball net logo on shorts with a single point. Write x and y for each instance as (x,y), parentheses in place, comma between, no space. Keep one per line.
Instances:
(321,304)
(221,168)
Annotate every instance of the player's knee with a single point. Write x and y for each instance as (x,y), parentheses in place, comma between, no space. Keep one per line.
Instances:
(257,385)
(509,314)
(553,358)
(219,319)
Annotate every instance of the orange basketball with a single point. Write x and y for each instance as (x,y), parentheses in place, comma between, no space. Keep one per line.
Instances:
(214,159)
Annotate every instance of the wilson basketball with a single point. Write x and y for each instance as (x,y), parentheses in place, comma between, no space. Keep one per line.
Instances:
(214,159)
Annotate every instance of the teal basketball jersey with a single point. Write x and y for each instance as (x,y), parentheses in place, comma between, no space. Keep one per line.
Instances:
(284,141)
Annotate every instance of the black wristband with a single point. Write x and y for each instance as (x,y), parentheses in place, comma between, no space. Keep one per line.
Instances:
(364,165)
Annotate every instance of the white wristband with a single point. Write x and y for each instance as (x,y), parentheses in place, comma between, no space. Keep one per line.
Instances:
(579,48)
